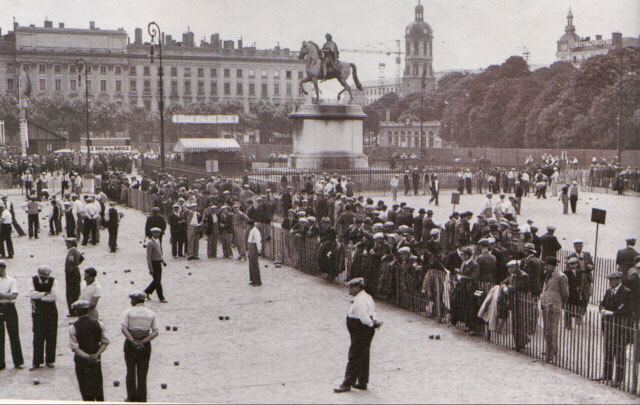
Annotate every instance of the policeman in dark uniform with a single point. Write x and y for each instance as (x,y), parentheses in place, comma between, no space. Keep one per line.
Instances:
(45,317)
(112,218)
(70,220)
(72,272)
(87,340)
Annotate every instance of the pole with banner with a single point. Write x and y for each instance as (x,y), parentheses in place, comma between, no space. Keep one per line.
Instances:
(598,216)
(455,200)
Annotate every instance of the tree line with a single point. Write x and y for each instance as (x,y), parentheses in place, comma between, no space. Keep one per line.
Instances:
(509,105)
(67,115)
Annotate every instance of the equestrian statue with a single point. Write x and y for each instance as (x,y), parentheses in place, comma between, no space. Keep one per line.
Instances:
(323,64)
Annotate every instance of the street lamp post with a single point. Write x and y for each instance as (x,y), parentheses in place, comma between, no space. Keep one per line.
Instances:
(423,84)
(618,112)
(154,31)
(82,68)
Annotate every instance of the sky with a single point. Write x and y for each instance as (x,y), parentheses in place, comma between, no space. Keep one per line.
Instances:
(468,34)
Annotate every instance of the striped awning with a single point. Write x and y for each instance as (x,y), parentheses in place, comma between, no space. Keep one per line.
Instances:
(206,145)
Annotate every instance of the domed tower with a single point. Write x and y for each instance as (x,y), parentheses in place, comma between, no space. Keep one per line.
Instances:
(568,41)
(418,54)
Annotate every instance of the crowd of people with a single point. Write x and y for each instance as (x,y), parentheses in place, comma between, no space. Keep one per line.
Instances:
(477,267)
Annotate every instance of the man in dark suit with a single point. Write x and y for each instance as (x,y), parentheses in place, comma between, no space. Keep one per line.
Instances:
(549,243)
(625,257)
(532,265)
(555,293)
(617,323)
(178,231)
(516,287)
(486,263)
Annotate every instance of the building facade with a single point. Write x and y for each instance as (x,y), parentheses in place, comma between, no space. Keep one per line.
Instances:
(373,90)
(405,133)
(122,72)
(572,48)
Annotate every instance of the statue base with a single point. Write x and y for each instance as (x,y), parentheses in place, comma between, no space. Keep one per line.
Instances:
(328,136)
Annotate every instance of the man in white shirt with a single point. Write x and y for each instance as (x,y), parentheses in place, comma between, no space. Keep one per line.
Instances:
(90,223)
(6,221)
(254,245)
(77,209)
(361,323)
(395,180)
(91,291)
(139,327)
(486,208)
(45,317)
(9,317)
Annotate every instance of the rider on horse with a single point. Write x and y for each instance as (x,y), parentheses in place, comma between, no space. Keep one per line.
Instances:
(330,55)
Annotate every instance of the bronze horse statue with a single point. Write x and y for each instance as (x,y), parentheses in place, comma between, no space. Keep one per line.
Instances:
(341,72)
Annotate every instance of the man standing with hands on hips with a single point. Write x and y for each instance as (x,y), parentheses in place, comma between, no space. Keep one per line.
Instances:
(361,323)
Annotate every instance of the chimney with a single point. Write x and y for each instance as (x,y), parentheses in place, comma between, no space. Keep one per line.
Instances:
(598,37)
(92,25)
(48,24)
(215,41)
(61,25)
(616,39)
(137,36)
(240,43)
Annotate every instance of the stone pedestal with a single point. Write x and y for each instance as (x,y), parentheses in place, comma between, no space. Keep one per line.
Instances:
(328,136)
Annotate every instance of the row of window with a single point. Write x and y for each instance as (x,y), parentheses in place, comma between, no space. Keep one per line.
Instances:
(417,48)
(422,141)
(200,72)
(380,90)
(133,87)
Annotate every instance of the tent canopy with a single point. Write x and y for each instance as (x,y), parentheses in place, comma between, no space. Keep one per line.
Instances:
(206,145)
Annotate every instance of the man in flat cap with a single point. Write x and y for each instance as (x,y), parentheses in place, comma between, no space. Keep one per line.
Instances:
(617,328)
(33,208)
(585,267)
(555,293)
(178,231)
(194,226)
(549,243)
(516,287)
(139,328)
(6,221)
(112,219)
(226,231)
(254,248)
(45,317)
(88,340)
(91,291)
(9,317)
(532,265)
(211,227)
(625,257)
(361,323)
(72,277)
(155,262)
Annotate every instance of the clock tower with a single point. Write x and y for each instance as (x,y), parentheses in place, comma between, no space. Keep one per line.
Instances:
(418,55)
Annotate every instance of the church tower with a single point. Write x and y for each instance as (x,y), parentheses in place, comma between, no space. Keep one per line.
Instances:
(418,55)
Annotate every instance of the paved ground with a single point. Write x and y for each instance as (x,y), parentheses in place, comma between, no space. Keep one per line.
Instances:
(623,216)
(285,342)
